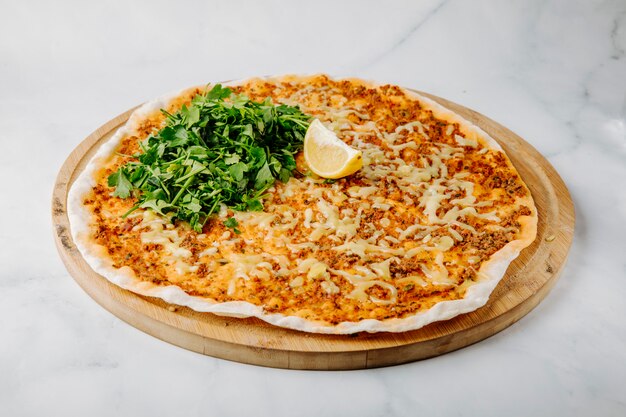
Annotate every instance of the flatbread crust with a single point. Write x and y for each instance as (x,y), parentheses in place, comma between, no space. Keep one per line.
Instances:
(98,257)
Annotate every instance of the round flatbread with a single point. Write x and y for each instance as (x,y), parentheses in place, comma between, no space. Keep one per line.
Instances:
(422,233)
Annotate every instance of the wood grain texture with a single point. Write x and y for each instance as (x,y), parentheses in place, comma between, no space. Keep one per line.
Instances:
(527,281)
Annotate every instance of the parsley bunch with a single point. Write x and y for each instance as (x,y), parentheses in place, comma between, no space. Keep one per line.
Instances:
(223,148)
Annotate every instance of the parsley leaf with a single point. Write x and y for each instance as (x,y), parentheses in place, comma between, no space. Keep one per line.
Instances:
(122,185)
(232,223)
(221,149)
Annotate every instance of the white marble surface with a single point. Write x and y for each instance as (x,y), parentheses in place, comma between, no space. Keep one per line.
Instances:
(552,71)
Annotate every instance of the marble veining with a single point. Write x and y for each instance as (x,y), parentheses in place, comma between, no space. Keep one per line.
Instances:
(553,71)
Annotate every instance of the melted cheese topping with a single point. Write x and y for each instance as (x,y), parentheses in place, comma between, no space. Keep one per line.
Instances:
(407,231)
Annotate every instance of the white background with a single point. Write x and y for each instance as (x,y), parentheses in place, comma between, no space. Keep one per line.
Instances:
(552,71)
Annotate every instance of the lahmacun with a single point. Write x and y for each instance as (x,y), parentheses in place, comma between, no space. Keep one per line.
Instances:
(422,233)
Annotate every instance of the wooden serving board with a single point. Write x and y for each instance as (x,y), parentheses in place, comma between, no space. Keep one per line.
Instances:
(527,281)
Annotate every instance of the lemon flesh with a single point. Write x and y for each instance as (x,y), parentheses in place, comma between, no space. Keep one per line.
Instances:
(327,155)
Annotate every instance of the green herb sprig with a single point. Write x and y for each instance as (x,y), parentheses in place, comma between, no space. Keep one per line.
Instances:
(223,148)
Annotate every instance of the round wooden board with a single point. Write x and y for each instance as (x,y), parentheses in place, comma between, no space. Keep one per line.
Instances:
(527,281)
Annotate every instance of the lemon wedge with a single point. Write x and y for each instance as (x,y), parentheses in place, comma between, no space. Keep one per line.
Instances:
(327,155)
